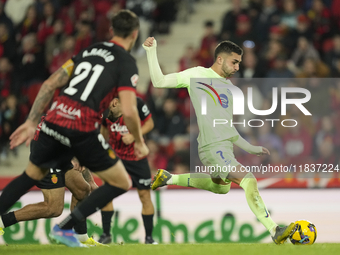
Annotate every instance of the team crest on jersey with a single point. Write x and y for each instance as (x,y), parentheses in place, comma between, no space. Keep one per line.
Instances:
(134,80)
(111,153)
(54,178)
(224,100)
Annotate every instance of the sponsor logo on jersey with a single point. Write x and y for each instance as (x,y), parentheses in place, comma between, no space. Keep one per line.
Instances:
(65,110)
(134,80)
(145,110)
(62,139)
(145,182)
(105,54)
(54,178)
(116,127)
(108,44)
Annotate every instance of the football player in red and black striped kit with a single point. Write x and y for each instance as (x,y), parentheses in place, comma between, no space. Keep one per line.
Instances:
(77,179)
(88,83)
(116,132)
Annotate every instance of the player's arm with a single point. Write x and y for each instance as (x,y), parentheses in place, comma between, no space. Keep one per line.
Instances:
(128,103)
(145,116)
(147,126)
(89,179)
(76,165)
(243,144)
(146,121)
(58,79)
(130,113)
(105,132)
(159,80)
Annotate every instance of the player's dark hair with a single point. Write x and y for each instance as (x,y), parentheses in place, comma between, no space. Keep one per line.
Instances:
(227,47)
(124,23)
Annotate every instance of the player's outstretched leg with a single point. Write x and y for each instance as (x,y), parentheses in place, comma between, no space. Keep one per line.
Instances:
(20,185)
(249,184)
(195,180)
(51,207)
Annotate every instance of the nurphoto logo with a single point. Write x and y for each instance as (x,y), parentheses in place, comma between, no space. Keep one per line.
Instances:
(217,98)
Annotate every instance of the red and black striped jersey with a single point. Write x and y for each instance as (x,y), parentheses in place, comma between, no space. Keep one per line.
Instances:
(117,129)
(100,72)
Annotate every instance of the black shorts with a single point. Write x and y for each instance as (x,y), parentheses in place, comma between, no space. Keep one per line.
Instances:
(56,146)
(54,179)
(139,172)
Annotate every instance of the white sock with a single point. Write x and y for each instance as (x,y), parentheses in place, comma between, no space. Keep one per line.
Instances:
(273,231)
(173,180)
(82,237)
(1,223)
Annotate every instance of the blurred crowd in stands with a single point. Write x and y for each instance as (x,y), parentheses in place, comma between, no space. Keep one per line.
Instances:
(282,40)
(38,36)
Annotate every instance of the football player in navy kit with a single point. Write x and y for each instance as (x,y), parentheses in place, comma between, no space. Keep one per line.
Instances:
(89,81)
(115,131)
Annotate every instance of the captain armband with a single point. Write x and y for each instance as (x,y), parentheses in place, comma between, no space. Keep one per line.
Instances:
(68,67)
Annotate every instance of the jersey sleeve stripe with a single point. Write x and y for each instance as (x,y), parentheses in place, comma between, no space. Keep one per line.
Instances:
(147,117)
(126,88)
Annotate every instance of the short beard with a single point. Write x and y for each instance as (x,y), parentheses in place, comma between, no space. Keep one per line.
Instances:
(112,116)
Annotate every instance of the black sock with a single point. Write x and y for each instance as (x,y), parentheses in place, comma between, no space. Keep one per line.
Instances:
(106,221)
(148,224)
(81,227)
(14,190)
(95,201)
(9,219)
(68,223)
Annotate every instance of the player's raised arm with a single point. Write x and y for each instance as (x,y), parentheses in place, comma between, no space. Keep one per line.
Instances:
(159,80)
(25,132)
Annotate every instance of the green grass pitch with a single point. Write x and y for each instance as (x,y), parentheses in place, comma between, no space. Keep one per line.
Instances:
(174,249)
